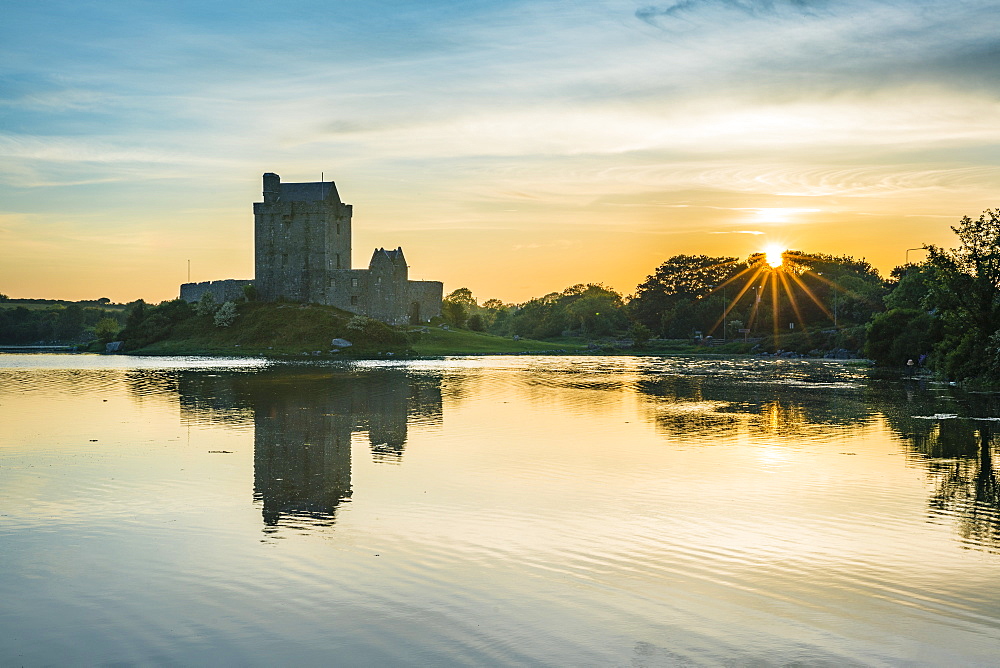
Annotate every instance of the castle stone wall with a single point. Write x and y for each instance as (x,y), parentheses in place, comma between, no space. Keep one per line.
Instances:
(424,300)
(302,245)
(225,290)
(345,289)
(302,232)
(386,293)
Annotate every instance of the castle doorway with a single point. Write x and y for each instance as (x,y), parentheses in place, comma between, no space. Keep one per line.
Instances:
(415,313)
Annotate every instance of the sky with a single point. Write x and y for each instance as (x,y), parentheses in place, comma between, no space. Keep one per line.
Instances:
(514,148)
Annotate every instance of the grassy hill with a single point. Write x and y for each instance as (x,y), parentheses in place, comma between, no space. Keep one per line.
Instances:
(303,329)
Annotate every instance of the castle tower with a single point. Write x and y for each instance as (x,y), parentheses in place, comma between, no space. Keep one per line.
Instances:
(388,286)
(302,233)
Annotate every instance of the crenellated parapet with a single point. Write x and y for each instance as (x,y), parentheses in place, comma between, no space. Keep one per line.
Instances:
(225,290)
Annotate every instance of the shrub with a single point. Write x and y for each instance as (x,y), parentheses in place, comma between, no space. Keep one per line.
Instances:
(226,315)
(206,305)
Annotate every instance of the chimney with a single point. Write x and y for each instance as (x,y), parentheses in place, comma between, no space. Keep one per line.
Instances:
(272,187)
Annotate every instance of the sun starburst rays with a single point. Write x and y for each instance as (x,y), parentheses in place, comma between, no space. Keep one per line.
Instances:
(777,275)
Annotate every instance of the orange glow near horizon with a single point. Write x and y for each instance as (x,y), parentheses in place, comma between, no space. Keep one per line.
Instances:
(773,255)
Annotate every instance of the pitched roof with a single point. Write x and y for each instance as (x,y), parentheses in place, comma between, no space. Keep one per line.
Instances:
(394,255)
(309,192)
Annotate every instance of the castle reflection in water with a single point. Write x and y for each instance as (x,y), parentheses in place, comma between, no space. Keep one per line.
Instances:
(303,421)
(305,417)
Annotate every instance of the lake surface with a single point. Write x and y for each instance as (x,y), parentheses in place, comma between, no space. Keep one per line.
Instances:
(558,511)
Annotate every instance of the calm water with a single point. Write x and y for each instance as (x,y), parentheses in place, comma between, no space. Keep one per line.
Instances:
(493,511)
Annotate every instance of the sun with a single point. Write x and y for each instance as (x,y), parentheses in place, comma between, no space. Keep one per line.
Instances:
(773,255)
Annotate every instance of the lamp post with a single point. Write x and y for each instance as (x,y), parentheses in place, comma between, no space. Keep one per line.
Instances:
(723,314)
(723,321)
(756,304)
(912,249)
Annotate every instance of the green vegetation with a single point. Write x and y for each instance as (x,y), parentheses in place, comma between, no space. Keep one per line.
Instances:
(588,311)
(176,327)
(179,328)
(945,312)
(942,314)
(718,296)
(47,321)
(435,341)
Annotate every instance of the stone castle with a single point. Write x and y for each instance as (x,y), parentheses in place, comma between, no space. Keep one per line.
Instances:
(302,253)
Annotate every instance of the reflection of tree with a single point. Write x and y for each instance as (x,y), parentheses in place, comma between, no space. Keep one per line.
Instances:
(959,452)
(967,489)
(762,402)
(304,419)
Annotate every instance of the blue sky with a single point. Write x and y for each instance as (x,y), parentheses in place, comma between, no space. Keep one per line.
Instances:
(515,148)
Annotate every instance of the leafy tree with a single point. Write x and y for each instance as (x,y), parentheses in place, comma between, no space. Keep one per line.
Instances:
(539,318)
(226,315)
(207,304)
(965,290)
(135,313)
(850,290)
(585,308)
(690,293)
(476,323)
(912,285)
(454,313)
(680,279)
(146,324)
(458,306)
(464,297)
(899,335)
(18,326)
(106,329)
(497,316)
(640,334)
(599,310)
(69,322)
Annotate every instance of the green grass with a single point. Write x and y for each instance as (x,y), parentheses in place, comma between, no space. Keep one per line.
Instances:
(260,329)
(438,342)
(293,329)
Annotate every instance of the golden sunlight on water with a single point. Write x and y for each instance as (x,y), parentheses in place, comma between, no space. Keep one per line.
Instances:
(494,511)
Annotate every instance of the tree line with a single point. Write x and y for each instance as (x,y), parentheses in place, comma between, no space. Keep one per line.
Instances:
(69,323)
(941,314)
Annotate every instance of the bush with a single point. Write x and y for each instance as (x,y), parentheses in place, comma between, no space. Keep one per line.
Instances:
(475,323)
(226,315)
(640,334)
(147,324)
(371,332)
(899,335)
(106,329)
(206,305)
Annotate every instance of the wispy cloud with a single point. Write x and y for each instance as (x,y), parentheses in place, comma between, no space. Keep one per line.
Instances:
(674,116)
(686,8)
